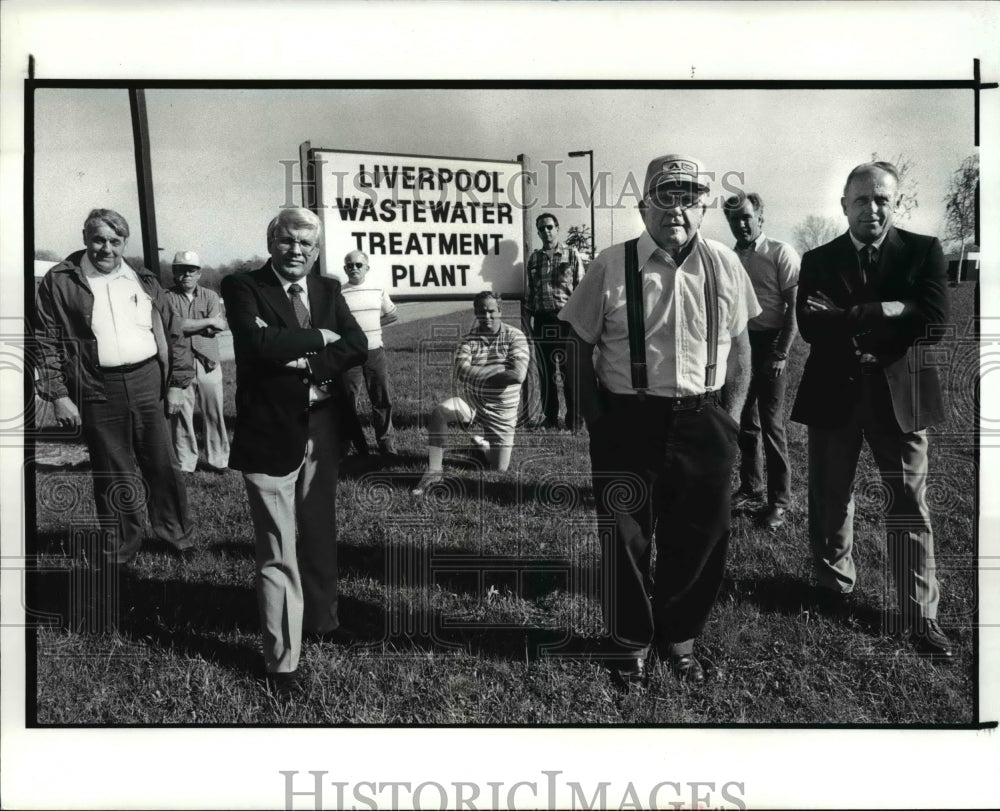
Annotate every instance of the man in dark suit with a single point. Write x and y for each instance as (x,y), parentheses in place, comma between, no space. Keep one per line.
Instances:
(294,336)
(869,303)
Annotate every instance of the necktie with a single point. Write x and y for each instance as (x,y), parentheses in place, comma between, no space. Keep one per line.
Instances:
(301,313)
(869,259)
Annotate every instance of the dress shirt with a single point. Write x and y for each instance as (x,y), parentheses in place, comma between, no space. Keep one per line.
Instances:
(890,309)
(316,392)
(675,316)
(122,320)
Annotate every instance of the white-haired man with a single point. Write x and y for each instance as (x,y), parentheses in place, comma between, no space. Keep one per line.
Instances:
(294,337)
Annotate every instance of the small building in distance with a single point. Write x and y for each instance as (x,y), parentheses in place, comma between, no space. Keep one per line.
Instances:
(963,264)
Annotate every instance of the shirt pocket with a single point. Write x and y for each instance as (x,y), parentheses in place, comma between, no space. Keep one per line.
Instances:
(142,310)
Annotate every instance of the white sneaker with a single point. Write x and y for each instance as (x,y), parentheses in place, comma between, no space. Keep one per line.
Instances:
(428,480)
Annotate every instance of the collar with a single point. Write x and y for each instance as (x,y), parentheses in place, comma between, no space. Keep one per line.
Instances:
(557,248)
(877,244)
(647,247)
(91,272)
(286,283)
(756,243)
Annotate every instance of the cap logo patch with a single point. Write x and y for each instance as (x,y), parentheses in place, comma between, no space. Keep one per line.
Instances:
(679,166)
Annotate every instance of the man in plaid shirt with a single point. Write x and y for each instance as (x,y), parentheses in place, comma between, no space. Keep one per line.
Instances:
(554,271)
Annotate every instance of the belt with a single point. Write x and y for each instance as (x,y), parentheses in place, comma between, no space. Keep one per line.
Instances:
(128,367)
(691,402)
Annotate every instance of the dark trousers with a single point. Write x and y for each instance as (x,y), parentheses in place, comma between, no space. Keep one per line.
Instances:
(374,373)
(666,472)
(762,425)
(133,464)
(550,336)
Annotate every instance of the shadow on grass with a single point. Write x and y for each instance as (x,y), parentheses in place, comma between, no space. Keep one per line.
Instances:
(407,630)
(187,618)
(789,596)
(171,614)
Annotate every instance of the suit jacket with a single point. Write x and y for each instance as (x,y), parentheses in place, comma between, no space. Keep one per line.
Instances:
(272,419)
(911,269)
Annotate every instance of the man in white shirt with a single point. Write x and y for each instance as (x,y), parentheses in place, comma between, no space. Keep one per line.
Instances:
(661,398)
(773,268)
(371,306)
(114,362)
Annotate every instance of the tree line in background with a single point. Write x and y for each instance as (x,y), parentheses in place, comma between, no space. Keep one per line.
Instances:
(959,225)
(211,275)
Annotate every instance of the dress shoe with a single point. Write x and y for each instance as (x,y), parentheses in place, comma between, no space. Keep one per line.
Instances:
(630,674)
(743,499)
(930,640)
(771,517)
(285,686)
(427,481)
(387,447)
(687,668)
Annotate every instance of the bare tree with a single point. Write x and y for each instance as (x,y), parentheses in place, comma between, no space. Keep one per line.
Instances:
(960,202)
(814,231)
(907,186)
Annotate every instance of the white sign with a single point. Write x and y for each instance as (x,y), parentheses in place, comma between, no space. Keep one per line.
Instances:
(431,227)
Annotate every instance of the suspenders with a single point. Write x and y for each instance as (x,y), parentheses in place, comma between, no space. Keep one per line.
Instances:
(637,320)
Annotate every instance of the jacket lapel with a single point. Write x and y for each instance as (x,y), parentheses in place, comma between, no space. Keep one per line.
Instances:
(320,300)
(274,294)
(891,256)
(847,269)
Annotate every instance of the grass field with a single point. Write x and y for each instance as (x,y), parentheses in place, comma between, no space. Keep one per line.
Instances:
(478,604)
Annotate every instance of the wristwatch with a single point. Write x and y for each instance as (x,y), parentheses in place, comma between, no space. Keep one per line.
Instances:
(781,356)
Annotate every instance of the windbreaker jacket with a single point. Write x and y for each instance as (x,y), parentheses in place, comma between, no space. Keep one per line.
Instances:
(67,362)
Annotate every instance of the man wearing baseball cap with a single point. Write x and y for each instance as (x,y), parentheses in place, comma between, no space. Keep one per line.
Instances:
(202,319)
(660,351)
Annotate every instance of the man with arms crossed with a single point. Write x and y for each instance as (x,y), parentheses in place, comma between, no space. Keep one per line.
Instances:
(554,271)
(198,309)
(663,430)
(294,336)
(773,268)
(371,306)
(868,303)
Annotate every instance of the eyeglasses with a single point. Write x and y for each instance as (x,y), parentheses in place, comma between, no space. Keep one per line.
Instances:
(287,243)
(673,199)
(349,265)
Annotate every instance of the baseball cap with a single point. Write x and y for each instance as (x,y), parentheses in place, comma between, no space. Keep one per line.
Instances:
(187,259)
(675,169)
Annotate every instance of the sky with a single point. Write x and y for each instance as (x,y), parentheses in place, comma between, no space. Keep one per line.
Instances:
(220,156)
